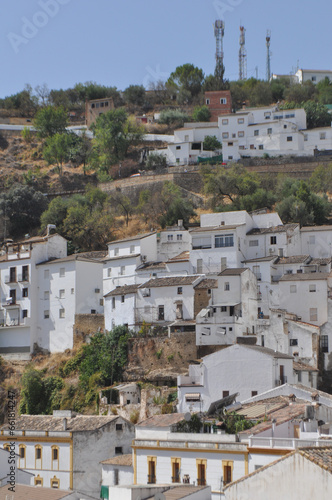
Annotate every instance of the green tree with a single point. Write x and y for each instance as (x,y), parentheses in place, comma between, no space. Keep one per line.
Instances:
(187,77)
(32,393)
(50,121)
(211,143)
(155,160)
(300,92)
(56,150)
(324,88)
(113,133)
(321,179)
(317,115)
(135,94)
(22,207)
(174,206)
(201,114)
(174,117)
(123,204)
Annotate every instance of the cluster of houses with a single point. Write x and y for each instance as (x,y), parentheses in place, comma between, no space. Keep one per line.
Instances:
(248,133)
(253,289)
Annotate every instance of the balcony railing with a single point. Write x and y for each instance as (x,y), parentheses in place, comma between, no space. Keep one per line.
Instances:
(176,479)
(151,479)
(10,279)
(23,277)
(201,481)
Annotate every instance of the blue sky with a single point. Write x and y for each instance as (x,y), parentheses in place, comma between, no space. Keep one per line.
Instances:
(113,42)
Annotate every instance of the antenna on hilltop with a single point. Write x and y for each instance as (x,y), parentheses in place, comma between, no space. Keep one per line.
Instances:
(219,30)
(268,55)
(242,55)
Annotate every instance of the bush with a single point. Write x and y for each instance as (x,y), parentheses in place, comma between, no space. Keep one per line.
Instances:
(173,116)
(26,134)
(159,353)
(201,114)
(156,160)
(134,416)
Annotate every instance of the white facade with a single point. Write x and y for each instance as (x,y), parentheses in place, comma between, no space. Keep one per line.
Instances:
(312,75)
(235,369)
(172,241)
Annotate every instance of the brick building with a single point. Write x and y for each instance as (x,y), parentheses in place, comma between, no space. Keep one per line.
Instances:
(219,103)
(97,107)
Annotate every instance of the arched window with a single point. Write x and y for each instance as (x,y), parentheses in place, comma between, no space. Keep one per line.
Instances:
(38,456)
(55,482)
(55,457)
(22,455)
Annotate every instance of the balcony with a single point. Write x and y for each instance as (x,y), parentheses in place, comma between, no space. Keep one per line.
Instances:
(201,481)
(292,443)
(23,278)
(10,279)
(9,303)
(151,479)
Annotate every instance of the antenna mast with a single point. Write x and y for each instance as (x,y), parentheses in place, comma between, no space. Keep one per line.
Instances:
(268,55)
(219,29)
(242,55)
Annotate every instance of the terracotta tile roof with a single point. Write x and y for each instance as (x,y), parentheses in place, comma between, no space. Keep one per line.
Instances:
(119,257)
(305,277)
(298,366)
(273,229)
(126,460)
(122,290)
(132,238)
(50,423)
(179,492)
(236,271)
(269,352)
(162,420)
(319,455)
(307,229)
(262,259)
(321,262)
(206,284)
(183,256)
(81,257)
(151,265)
(170,281)
(24,492)
(294,259)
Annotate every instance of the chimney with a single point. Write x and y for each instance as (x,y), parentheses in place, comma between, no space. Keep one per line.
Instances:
(180,223)
(64,421)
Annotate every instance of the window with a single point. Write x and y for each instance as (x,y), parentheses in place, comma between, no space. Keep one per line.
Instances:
(38,457)
(186,138)
(269,131)
(224,121)
(207,101)
(179,237)
(106,104)
(227,287)
(196,146)
(223,100)
(12,275)
(113,302)
(201,472)
(55,482)
(223,263)
(116,251)
(179,290)
(253,243)
(313,314)
(312,288)
(118,427)
(225,135)
(93,311)
(132,248)
(273,240)
(313,78)
(118,450)
(24,313)
(46,273)
(22,451)
(322,136)
(109,272)
(22,455)
(25,273)
(254,393)
(46,314)
(92,105)
(101,104)
(61,294)
(241,147)
(12,295)
(261,146)
(97,104)
(25,292)
(225,394)
(62,272)
(267,115)
(289,138)
(305,136)
(223,309)
(152,463)
(176,465)
(240,134)
(256,133)
(293,342)
(293,289)
(46,295)
(61,313)
(55,457)
(169,237)
(240,120)
(161,313)
(178,147)
(72,291)
(221,241)
(38,481)
(285,126)
(227,468)
(123,270)
(324,343)
(122,298)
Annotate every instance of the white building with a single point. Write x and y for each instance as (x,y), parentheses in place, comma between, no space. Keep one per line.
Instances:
(232,309)
(240,368)
(64,450)
(19,290)
(172,241)
(116,471)
(313,75)
(66,287)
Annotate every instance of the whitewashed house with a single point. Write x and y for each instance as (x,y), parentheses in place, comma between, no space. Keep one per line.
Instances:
(232,309)
(313,75)
(116,471)
(68,286)
(120,307)
(19,321)
(316,241)
(64,450)
(240,368)
(172,241)
(124,256)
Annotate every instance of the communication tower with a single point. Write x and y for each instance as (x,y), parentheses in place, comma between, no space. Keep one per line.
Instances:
(242,55)
(219,29)
(268,55)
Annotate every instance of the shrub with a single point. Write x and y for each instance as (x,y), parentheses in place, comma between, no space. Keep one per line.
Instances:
(134,416)
(159,353)
(173,116)
(170,357)
(26,134)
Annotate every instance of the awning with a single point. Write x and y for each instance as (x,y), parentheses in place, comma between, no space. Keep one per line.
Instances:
(104,492)
(193,396)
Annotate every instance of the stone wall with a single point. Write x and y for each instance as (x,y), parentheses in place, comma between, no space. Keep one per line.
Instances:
(86,325)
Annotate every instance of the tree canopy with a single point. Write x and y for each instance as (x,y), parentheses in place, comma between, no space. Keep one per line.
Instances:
(50,121)
(188,78)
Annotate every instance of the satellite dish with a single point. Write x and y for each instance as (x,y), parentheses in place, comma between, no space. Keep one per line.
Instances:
(159,496)
(187,417)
